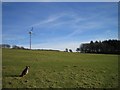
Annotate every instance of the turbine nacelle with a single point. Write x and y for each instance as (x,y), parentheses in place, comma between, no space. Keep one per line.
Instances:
(30,32)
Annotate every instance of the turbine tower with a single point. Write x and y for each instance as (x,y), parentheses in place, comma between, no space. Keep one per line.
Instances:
(30,32)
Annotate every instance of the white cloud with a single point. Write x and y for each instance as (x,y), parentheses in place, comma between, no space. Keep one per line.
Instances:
(58,20)
(78,24)
(48,20)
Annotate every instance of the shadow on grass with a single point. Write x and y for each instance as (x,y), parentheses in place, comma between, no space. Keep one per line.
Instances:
(12,75)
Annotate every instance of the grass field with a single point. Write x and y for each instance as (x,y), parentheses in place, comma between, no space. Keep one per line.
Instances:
(50,69)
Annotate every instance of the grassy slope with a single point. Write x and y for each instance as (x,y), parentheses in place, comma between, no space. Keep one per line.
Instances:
(59,69)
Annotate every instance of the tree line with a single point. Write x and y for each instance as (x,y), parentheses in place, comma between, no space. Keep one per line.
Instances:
(105,47)
(102,47)
(13,46)
(21,47)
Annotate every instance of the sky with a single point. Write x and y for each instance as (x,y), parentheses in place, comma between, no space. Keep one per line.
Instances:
(58,25)
(60,0)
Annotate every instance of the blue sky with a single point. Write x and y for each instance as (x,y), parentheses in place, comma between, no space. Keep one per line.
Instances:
(58,25)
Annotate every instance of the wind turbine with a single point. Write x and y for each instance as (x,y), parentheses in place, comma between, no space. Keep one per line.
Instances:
(30,32)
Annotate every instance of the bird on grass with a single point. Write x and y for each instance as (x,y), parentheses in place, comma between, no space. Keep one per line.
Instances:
(25,71)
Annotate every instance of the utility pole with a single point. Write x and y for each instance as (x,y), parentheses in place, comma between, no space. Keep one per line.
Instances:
(30,32)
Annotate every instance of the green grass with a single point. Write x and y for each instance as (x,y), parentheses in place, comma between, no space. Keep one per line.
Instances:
(50,69)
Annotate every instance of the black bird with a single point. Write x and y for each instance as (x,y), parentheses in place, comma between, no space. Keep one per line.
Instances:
(25,71)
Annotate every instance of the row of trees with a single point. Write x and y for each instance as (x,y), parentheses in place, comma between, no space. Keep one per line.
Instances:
(5,46)
(9,46)
(105,47)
